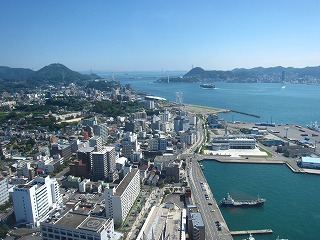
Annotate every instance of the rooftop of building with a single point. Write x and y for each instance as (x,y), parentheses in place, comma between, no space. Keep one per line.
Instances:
(80,221)
(310,160)
(86,149)
(162,218)
(125,181)
(196,219)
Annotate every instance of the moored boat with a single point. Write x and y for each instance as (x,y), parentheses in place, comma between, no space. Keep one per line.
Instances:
(230,202)
(250,237)
(207,86)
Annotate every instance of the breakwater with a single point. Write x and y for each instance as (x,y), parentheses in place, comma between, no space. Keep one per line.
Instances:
(245,113)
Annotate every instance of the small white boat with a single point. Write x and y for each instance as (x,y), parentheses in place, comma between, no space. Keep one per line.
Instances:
(282,238)
(250,237)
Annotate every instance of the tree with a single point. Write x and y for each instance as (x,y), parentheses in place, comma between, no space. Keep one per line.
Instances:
(4,229)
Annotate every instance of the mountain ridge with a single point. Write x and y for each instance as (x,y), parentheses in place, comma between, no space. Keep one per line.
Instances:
(257,74)
(54,73)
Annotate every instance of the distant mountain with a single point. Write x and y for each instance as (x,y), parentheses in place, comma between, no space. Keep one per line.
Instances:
(258,74)
(8,73)
(58,73)
(53,74)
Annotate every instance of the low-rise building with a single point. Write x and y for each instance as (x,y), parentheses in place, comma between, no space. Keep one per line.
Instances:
(310,162)
(75,226)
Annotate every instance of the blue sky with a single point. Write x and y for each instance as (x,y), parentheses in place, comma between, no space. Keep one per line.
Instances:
(151,35)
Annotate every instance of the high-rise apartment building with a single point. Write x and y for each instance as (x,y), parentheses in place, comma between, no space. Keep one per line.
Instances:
(4,193)
(101,130)
(120,199)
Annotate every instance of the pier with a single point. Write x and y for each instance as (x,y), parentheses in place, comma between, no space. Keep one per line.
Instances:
(247,232)
(244,113)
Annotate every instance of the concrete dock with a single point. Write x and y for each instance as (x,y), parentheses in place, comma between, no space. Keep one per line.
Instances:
(247,232)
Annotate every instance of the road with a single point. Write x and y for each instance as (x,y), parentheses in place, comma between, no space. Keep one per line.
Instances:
(210,213)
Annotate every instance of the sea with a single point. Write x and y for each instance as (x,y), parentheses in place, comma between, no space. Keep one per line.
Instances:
(292,208)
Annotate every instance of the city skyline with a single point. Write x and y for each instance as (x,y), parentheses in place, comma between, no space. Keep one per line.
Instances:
(150,36)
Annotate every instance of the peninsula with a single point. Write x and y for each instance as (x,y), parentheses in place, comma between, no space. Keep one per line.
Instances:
(310,75)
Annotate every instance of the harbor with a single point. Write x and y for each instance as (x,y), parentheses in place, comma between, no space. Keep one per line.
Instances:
(270,177)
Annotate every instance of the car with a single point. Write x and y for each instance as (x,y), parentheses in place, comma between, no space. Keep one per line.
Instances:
(209,203)
(212,210)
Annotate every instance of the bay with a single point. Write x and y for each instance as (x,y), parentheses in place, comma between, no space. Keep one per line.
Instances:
(292,210)
(289,103)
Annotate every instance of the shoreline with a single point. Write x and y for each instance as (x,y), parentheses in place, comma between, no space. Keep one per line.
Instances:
(198,109)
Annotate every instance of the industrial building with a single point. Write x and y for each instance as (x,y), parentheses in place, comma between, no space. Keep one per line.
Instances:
(310,162)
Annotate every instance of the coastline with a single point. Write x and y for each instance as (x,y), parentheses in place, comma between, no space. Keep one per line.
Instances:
(198,109)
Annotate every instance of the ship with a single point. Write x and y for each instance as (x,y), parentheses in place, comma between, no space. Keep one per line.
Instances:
(208,86)
(230,202)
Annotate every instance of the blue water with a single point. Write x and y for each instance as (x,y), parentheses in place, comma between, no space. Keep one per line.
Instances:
(292,200)
(296,103)
(292,209)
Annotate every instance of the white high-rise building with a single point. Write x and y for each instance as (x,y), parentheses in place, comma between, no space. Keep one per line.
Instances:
(120,199)
(96,141)
(101,130)
(4,193)
(33,201)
